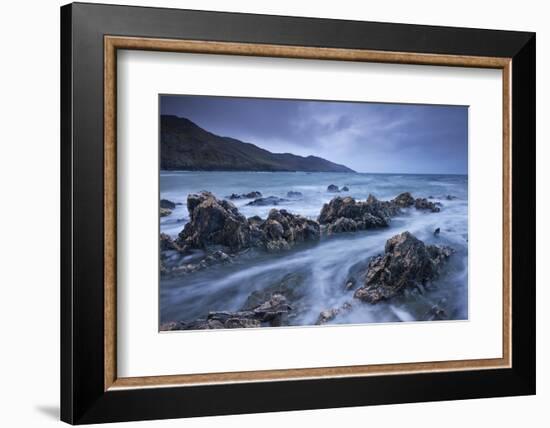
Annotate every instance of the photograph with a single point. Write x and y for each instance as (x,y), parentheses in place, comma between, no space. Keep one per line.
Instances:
(283,212)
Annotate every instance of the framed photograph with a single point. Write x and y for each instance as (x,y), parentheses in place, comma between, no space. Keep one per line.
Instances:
(265,213)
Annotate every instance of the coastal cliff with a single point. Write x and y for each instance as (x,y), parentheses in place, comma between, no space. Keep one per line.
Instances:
(186,146)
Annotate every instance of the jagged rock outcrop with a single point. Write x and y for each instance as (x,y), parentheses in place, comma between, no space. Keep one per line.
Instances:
(273,312)
(219,222)
(406,263)
(404,200)
(167,244)
(282,230)
(367,214)
(345,214)
(424,204)
(214,222)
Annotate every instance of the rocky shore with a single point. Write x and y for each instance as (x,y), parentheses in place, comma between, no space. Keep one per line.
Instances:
(218,233)
(216,226)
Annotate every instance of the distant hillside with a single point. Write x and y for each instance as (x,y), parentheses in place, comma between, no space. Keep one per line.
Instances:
(186,146)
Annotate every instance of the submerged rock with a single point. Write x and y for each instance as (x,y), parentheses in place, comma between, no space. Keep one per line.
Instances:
(333,188)
(291,286)
(267,201)
(424,204)
(437,231)
(164,212)
(272,312)
(406,262)
(250,195)
(165,203)
(293,194)
(345,189)
(329,314)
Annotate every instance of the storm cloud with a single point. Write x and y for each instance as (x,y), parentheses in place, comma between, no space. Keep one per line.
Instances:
(367,137)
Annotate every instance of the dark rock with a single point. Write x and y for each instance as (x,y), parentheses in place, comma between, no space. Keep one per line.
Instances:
(450,197)
(212,323)
(329,314)
(293,194)
(164,212)
(407,261)
(165,203)
(367,215)
(350,284)
(218,222)
(255,220)
(404,200)
(167,244)
(424,204)
(326,316)
(282,230)
(214,222)
(249,195)
(272,312)
(291,286)
(437,312)
(267,201)
(343,224)
(437,231)
(345,189)
(333,188)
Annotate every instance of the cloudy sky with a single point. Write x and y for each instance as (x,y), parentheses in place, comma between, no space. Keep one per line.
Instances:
(367,137)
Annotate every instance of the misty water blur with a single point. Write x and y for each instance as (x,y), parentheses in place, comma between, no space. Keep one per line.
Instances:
(321,269)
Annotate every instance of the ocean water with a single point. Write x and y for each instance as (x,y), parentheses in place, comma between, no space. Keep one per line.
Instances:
(322,267)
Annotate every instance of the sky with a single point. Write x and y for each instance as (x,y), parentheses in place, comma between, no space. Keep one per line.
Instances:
(366,137)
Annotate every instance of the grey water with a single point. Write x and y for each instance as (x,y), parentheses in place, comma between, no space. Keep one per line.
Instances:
(324,267)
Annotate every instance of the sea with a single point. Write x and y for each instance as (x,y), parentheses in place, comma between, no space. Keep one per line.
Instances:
(323,266)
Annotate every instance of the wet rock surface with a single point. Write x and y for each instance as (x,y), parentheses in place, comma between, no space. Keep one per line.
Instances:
(367,214)
(165,203)
(424,204)
(406,263)
(282,230)
(164,212)
(294,194)
(250,195)
(214,222)
(330,314)
(273,312)
(217,233)
(404,200)
(267,201)
(345,214)
(333,188)
(219,222)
